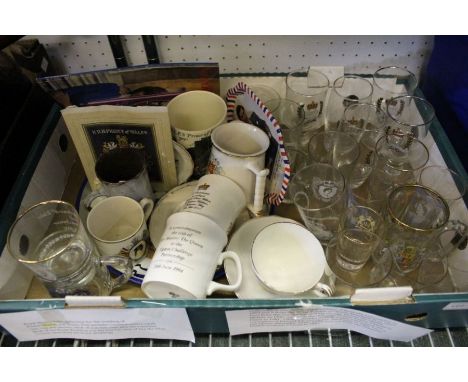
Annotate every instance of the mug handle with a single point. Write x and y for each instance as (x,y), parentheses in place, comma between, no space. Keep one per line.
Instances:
(326,285)
(323,290)
(94,198)
(147,205)
(214,286)
(122,264)
(260,182)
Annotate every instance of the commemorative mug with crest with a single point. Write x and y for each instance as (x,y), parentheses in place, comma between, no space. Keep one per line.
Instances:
(218,198)
(186,258)
(118,226)
(417,219)
(238,153)
(193,116)
(318,191)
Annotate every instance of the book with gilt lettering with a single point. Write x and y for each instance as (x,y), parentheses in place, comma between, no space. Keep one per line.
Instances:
(97,129)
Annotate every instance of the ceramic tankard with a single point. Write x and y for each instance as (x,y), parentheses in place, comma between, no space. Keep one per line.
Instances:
(238,153)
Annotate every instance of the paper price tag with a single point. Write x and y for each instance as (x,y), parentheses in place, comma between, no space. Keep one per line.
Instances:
(456,306)
(99,324)
(320,317)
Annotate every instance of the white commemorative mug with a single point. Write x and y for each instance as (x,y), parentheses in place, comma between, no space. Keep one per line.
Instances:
(186,258)
(193,116)
(218,198)
(238,153)
(118,226)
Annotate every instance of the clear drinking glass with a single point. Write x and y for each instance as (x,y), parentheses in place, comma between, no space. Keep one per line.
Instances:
(362,217)
(354,248)
(346,90)
(373,271)
(290,116)
(336,148)
(362,196)
(390,82)
(309,89)
(297,161)
(458,270)
(365,122)
(409,117)
(318,192)
(264,92)
(50,239)
(432,270)
(396,164)
(446,182)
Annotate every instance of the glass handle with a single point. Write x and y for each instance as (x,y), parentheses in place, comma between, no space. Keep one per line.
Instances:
(459,238)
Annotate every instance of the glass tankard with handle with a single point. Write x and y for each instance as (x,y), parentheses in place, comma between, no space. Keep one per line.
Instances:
(416,218)
(50,239)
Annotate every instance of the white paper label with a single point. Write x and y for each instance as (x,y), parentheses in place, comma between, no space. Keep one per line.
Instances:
(456,306)
(99,324)
(320,317)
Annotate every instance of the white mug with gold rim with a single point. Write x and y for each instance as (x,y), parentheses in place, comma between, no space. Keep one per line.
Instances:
(238,153)
(193,116)
(118,226)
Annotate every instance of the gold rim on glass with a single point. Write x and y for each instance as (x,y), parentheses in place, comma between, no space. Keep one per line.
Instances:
(35,206)
(432,192)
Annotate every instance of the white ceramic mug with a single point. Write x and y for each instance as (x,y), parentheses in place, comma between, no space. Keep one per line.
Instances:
(218,198)
(289,260)
(118,226)
(193,116)
(186,259)
(238,153)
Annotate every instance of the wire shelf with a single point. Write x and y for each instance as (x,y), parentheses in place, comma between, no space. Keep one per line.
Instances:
(448,337)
